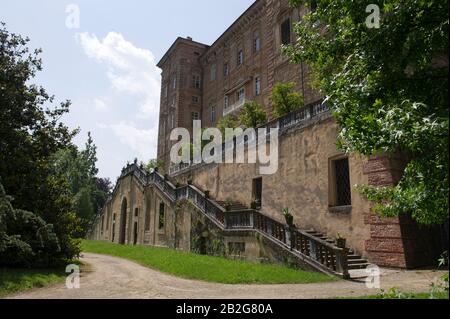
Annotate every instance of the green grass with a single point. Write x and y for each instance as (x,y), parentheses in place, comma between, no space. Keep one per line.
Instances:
(206,268)
(424,295)
(17,280)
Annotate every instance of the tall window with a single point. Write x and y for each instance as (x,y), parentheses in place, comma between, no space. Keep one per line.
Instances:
(213,72)
(174,82)
(256,44)
(166,90)
(162,216)
(286,32)
(257,191)
(340,183)
(240,57)
(257,86)
(241,94)
(172,121)
(196,82)
(226,69)
(195,116)
(213,114)
(226,102)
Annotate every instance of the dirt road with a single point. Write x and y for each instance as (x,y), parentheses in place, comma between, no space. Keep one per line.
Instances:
(111,277)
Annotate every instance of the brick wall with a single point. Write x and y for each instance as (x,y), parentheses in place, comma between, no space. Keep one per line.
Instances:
(397,242)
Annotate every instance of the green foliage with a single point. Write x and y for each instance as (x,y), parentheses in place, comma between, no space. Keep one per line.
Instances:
(284,99)
(228,121)
(18,280)
(88,193)
(252,115)
(388,89)
(152,164)
(31,133)
(25,239)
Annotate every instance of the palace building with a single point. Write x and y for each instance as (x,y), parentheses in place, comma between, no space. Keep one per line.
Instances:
(232,210)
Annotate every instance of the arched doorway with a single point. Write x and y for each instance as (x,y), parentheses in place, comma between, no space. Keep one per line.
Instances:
(123,222)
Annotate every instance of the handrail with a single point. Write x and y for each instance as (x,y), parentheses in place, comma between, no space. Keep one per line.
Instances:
(319,252)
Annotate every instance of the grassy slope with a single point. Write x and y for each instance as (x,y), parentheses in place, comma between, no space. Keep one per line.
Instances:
(206,268)
(16,280)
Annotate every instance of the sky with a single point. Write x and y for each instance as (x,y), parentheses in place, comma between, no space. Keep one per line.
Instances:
(102,55)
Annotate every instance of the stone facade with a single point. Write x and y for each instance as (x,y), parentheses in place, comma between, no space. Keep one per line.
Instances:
(246,58)
(202,82)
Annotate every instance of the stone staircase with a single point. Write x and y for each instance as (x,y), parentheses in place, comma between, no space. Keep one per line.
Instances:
(311,248)
(355,261)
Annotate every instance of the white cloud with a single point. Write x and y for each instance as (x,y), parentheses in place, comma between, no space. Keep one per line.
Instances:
(100,105)
(131,70)
(143,142)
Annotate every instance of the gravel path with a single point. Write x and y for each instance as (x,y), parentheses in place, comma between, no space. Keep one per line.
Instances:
(111,277)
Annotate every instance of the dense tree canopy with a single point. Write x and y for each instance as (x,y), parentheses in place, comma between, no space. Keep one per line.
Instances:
(52,184)
(388,88)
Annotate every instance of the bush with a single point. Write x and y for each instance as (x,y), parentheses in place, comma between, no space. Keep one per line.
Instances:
(25,239)
(284,99)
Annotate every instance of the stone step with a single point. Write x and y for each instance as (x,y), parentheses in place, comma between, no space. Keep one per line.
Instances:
(357,266)
(357,261)
(353,256)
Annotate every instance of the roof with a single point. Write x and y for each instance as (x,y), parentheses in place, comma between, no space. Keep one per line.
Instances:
(175,44)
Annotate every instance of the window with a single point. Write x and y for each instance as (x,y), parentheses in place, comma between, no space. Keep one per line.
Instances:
(241,94)
(136,212)
(166,90)
(174,101)
(226,70)
(196,82)
(257,192)
(257,44)
(162,216)
(195,116)
(213,72)
(174,82)
(226,102)
(257,86)
(340,194)
(240,58)
(213,114)
(286,32)
(172,121)
(195,99)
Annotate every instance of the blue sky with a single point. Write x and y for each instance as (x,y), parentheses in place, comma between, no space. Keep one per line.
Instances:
(107,65)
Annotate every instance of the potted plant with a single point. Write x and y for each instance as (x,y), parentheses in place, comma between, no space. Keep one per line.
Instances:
(288,216)
(228,203)
(341,241)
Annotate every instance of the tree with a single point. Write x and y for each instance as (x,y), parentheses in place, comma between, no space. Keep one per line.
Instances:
(25,239)
(252,115)
(229,121)
(30,133)
(88,192)
(284,99)
(388,89)
(152,164)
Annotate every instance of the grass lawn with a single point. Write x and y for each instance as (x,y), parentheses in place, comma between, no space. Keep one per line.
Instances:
(406,296)
(16,280)
(206,268)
